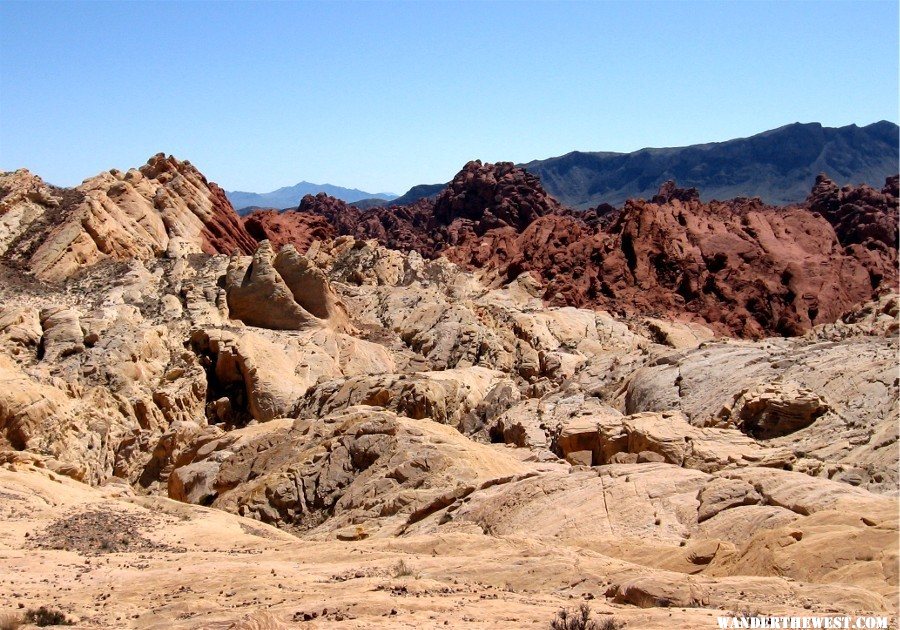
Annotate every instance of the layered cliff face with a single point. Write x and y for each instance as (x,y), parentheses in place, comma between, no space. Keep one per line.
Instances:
(166,206)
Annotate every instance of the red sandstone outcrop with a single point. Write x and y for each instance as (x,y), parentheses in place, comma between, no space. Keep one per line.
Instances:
(493,195)
(669,191)
(741,266)
(322,217)
(406,228)
(299,229)
(480,197)
(865,221)
(222,231)
(859,214)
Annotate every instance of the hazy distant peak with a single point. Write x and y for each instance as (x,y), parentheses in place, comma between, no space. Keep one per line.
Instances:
(289,196)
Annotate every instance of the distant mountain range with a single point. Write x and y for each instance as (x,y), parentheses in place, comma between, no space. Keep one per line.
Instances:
(778,166)
(419,192)
(289,196)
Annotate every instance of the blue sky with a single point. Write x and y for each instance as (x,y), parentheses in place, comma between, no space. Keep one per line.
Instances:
(384,95)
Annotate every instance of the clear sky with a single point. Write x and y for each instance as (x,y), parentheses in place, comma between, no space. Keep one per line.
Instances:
(384,95)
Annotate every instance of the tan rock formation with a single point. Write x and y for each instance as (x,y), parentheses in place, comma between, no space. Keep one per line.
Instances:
(832,404)
(381,407)
(166,206)
(283,292)
(445,396)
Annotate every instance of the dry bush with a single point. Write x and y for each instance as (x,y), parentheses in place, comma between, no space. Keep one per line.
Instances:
(402,569)
(44,616)
(580,619)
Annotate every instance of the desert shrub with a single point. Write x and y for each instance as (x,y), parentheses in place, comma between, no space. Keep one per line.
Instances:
(402,569)
(580,619)
(44,616)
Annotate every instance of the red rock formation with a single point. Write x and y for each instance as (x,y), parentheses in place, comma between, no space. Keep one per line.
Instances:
(859,214)
(406,228)
(669,191)
(338,213)
(299,229)
(222,231)
(480,197)
(741,266)
(493,195)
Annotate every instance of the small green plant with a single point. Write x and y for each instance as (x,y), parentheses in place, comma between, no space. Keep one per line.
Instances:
(44,616)
(580,619)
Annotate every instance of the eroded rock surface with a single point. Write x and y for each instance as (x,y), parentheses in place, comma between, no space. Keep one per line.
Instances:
(283,292)
(166,206)
(739,267)
(377,405)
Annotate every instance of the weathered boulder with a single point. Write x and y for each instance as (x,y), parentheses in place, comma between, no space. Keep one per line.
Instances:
(283,292)
(445,396)
(776,409)
(650,592)
(62,333)
(310,287)
(361,466)
(721,494)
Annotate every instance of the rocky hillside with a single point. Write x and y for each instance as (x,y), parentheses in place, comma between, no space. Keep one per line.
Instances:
(202,435)
(777,166)
(742,267)
(165,207)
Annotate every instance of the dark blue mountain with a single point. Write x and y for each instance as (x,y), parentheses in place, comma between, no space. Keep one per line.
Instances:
(779,166)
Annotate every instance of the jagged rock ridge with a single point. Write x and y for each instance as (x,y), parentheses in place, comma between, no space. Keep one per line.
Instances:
(343,409)
(741,266)
(166,206)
